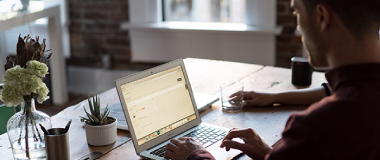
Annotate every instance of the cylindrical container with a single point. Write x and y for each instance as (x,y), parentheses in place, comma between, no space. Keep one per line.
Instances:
(231,96)
(101,135)
(57,144)
(301,71)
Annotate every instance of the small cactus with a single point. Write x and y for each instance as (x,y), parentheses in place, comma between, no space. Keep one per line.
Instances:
(96,117)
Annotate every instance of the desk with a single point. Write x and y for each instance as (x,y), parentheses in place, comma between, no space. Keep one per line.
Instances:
(204,76)
(57,64)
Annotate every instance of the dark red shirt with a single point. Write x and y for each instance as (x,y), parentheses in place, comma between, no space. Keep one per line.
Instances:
(345,125)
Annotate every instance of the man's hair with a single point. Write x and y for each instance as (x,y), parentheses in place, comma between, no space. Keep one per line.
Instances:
(357,15)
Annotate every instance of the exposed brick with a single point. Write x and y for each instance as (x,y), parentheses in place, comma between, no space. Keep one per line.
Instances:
(297,40)
(283,39)
(290,39)
(85,61)
(75,39)
(118,41)
(113,26)
(75,15)
(287,48)
(95,30)
(287,19)
(288,44)
(288,30)
(284,61)
(281,8)
(96,16)
(119,17)
(75,26)
(116,51)
(288,1)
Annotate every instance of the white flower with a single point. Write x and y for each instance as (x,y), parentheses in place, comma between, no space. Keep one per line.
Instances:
(20,83)
(37,68)
(11,95)
(30,83)
(13,73)
(42,92)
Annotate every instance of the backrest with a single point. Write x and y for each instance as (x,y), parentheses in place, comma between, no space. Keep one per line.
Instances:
(5,114)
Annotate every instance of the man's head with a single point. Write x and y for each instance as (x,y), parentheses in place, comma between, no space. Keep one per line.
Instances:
(327,24)
(357,15)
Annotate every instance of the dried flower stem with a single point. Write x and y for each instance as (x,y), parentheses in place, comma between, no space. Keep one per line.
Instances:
(26,136)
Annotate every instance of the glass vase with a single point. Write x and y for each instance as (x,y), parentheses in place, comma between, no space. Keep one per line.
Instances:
(24,132)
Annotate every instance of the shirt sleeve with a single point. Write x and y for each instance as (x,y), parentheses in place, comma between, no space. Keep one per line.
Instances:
(200,155)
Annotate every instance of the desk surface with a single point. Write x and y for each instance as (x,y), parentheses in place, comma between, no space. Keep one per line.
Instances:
(204,75)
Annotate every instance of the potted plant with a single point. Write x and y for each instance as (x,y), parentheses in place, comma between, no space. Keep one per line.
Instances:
(100,128)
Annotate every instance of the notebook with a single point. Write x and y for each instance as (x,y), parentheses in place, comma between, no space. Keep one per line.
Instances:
(203,101)
(159,105)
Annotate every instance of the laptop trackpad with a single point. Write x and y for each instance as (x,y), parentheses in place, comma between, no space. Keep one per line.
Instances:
(221,153)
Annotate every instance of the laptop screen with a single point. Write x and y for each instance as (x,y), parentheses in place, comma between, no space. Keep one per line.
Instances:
(158,103)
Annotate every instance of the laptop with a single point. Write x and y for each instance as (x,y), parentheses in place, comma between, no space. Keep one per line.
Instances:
(159,105)
(203,101)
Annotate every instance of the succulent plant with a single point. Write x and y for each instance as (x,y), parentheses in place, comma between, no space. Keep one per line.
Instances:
(95,117)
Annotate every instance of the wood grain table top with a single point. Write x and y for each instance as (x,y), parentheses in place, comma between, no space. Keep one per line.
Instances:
(205,76)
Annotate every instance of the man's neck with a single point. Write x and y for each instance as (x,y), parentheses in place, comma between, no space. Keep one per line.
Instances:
(354,51)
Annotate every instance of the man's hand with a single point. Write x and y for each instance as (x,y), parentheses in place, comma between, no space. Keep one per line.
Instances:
(180,149)
(254,146)
(256,98)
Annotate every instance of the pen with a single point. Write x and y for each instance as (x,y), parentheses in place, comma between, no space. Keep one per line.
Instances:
(44,130)
(67,126)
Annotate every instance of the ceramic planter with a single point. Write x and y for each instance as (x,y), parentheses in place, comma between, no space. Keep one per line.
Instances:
(101,135)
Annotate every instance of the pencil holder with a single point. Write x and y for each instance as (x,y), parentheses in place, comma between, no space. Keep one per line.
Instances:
(57,144)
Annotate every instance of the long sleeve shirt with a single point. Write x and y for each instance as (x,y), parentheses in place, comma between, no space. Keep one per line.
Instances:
(345,125)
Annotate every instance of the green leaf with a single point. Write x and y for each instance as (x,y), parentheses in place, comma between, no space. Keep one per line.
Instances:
(88,115)
(90,105)
(96,117)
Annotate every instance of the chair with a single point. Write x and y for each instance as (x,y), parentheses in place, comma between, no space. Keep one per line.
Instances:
(5,114)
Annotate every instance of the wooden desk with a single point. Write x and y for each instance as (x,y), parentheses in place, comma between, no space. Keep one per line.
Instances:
(205,75)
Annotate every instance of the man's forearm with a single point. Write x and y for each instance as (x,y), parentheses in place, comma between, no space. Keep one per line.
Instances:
(301,97)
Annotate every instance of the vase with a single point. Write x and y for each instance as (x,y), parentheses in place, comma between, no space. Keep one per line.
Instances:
(24,132)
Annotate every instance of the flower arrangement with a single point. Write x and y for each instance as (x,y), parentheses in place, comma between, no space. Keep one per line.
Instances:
(23,79)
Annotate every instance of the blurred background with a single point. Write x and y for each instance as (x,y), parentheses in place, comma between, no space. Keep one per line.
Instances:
(97,50)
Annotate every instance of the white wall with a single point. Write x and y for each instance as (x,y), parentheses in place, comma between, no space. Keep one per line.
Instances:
(90,80)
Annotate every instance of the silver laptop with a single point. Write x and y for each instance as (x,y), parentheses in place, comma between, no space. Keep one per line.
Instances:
(159,105)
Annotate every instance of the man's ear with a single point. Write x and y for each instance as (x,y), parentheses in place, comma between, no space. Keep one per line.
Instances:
(323,17)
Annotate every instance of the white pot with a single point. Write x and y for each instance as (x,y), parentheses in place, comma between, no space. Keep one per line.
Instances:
(101,135)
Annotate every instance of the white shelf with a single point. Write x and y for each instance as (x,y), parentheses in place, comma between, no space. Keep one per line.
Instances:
(203,26)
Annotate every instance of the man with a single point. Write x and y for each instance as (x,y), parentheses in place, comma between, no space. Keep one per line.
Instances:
(343,35)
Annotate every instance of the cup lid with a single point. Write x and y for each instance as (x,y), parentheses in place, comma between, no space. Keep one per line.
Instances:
(300,59)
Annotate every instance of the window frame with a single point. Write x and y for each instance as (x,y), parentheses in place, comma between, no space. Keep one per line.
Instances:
(153,40)
(259,13)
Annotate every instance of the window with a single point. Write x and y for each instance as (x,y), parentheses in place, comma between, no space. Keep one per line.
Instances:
(232,11)
(250,39)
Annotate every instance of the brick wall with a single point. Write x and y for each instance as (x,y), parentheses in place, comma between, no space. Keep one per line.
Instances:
(94,33)
(288,44)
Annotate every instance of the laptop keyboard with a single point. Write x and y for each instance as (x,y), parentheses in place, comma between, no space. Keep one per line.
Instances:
(207,136)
